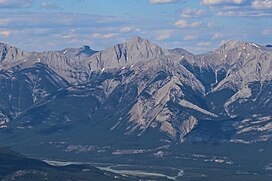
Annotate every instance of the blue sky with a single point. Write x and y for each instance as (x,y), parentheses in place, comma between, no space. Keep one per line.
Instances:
(196,25)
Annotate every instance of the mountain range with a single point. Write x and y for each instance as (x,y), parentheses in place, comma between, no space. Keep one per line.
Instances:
(135,93)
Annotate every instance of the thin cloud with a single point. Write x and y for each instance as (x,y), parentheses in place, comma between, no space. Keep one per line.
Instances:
(191,13)
(262,4)
(63,29)
(5,33)
(49,5)
(162,1)
(127,29)
(102,36)
(4,22)
(15,3)
(58,20)
(164,34)
(190,37)
(246,8)
(217,36)
(184,24)
(244,13)
(223,2)
(267,31)
(203,44)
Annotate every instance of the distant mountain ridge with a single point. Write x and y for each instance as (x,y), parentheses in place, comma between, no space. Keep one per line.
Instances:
(137,91)
(14,166)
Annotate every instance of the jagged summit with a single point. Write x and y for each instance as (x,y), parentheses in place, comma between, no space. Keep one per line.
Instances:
(84,51)
(6,47)
(130,52)
(233,43)
(180,51)
(237,44)
(2,44)
(139,43)
(137,39)
(10,53)
(229,54)
(86,47)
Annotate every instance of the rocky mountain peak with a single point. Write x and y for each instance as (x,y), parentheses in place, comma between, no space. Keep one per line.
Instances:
(142,46)
(121,55)
(10,53)
(240,45)
(137,39)
(86,49)
(180,51)
(233,52)
(232,44)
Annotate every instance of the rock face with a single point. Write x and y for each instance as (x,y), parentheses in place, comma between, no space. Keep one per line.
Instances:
(139,91)
(9,54)
(133,51)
